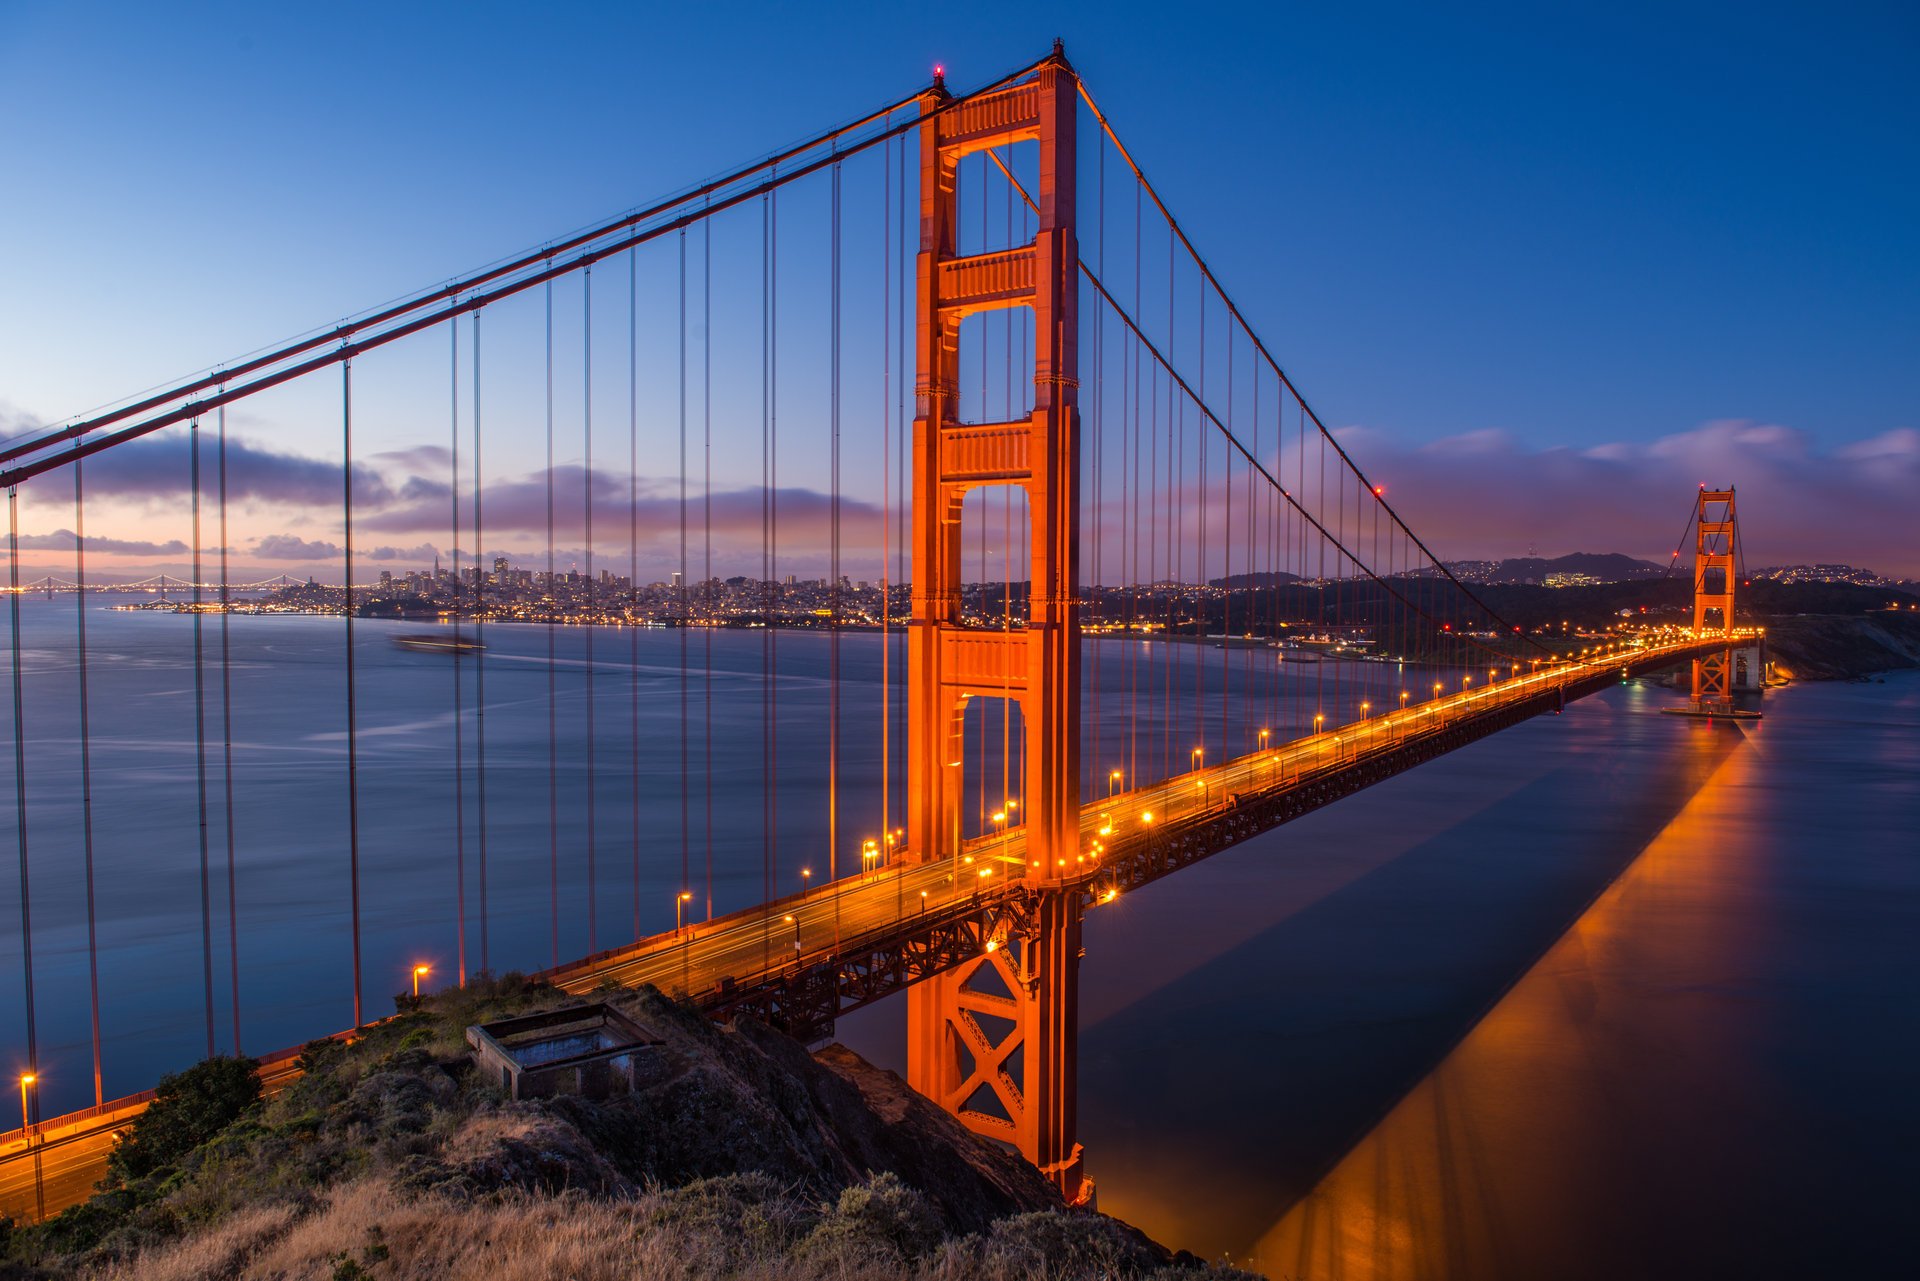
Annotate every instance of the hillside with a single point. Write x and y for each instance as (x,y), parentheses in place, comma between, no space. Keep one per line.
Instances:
(738,1154)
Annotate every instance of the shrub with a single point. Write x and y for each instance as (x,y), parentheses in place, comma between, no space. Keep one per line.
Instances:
(881,1218)
(188,1108)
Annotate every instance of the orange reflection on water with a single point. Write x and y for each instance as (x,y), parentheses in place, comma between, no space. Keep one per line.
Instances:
(1501,1162)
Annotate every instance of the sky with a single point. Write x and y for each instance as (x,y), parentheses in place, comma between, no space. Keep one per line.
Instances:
(1544,268)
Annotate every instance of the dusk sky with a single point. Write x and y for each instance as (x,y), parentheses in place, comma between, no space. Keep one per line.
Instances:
(1545,270)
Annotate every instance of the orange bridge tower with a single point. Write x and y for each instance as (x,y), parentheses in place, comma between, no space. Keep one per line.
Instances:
(994,1041)
(1715,566)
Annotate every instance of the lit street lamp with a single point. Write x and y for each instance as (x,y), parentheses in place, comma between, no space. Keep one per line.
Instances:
(27,1080)
(1113,780)
(796,935)
(418,970)
(806,880)
(679,909)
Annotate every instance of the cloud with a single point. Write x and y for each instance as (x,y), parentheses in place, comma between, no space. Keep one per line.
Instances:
(518,506)
(292,547)
(1487,495)
(65,540)
(422,555)
(156,467)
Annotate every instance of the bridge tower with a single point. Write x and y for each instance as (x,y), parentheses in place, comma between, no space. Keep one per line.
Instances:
(1714,569)
(994,1041)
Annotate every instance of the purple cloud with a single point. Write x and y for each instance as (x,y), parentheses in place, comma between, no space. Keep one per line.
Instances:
(1488,495)
(65,540)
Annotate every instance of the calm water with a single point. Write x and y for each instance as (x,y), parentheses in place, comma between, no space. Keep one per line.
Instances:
(1608,994)
(651,828)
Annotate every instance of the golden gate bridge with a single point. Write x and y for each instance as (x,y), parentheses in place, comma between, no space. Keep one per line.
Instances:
(1119,527)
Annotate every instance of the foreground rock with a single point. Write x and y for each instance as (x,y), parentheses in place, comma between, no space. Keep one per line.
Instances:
(737,1154)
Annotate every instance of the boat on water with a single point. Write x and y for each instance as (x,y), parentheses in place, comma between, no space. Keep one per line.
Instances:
(438,643)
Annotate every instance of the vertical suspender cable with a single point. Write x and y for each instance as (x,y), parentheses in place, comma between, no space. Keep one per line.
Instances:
(479,655)
(586,509)
(680,604)
(833,538)
(20,790)
(773,536)
(886,504)
(552,603)
(353,725)
(706,456)
(200,738)
(767,586)
(459,709)
(86,766)
(633,575)
(226,731)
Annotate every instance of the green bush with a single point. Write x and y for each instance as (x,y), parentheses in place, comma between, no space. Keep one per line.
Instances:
(188,1108)
(882,1218)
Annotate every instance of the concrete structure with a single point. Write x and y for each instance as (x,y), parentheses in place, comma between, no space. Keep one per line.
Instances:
(591,1050)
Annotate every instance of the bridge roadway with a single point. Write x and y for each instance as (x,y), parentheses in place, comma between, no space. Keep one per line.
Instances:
(864,937)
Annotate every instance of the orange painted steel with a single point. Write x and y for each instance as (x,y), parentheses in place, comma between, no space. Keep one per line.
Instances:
(994,1040)
(1714,550)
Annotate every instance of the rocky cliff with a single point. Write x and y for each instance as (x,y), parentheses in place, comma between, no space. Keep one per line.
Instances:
(736,1154)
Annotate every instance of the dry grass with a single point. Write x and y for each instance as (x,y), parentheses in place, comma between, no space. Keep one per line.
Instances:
(368,1230)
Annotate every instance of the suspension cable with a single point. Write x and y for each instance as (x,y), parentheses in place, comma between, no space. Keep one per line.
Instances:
(353,723)
(20,789)
(86,769)
(226,728)
(459,710)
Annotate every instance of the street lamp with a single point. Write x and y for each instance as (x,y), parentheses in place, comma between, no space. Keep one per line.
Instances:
(806,880)
(1364,709)
(796,935)
(1113,781)
(418,970)
(28,1079)
(1263,739)
(1198,752)
(1318,718)
(869,854)
(679,908)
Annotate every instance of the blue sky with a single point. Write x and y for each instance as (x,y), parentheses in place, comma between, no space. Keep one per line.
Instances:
(1485,232)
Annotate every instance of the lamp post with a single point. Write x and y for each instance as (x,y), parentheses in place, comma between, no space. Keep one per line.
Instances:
(679,910)
(418,970)
(793,921)
(806,880)
(1318,719)
(1364,709)
(869,854)
(1263,739)
(27,1081)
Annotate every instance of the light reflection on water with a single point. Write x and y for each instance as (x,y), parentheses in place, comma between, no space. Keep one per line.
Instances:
(1706,1074)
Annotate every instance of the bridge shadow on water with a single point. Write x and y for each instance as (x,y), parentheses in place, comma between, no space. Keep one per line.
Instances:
(1219,1095)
